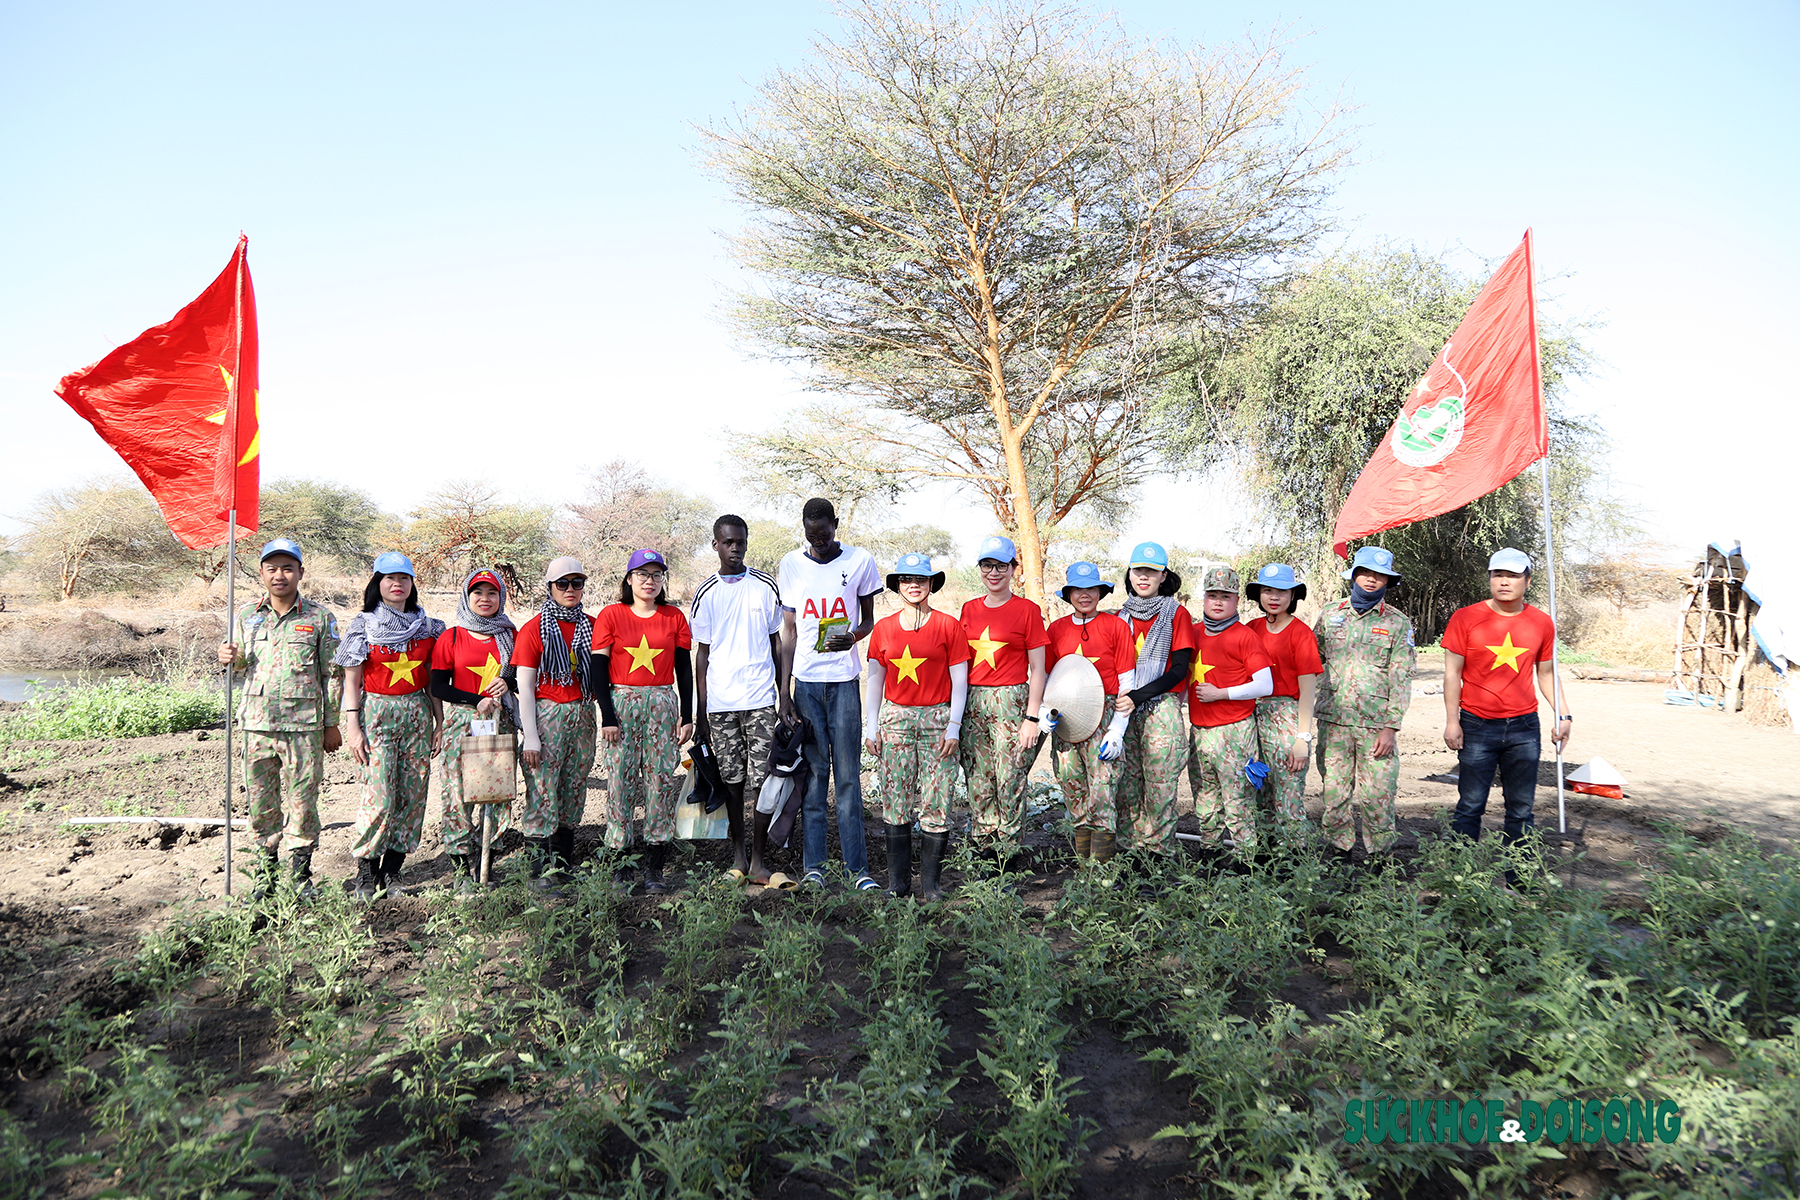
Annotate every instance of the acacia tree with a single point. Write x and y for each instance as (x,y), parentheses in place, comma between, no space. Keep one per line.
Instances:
(625,509)
(465,524)
(1300,403)
(100,536)
(997,229)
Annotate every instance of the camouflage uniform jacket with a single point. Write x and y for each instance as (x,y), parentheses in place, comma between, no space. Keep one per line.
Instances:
(289,682)
(1369,663)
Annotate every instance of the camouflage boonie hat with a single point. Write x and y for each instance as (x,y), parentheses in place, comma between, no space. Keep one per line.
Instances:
(1221,578)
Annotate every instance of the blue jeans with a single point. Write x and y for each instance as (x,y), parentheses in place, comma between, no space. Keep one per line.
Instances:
(1510,743)
(835,712)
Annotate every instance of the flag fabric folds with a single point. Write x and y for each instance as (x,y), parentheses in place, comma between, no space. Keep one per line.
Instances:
(1473,422)
(179,404)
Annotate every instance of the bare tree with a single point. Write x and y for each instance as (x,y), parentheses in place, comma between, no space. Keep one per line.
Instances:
(998,228)
(103,535)
(625,509)
(465,525)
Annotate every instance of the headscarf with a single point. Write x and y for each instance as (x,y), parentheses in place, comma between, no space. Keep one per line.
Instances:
(1153,656)
(556,665)
(500,627)
(383,627)
(1363,601)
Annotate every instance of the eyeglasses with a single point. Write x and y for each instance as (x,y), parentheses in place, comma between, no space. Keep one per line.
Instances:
(994,568)
(648,576)
(570,585)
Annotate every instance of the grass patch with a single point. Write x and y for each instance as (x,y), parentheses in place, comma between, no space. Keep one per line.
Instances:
(115,708)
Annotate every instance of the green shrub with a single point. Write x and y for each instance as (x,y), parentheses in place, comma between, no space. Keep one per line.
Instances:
(115,708)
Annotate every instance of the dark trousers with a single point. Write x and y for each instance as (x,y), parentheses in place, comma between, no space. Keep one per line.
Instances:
(835,748)
(1512,744)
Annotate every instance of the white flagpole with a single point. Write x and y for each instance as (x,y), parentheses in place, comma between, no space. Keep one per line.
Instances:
(1562,818)
(230,635)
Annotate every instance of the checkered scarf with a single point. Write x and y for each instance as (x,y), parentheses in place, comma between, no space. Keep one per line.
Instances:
(383,627)
(1153,659)
(556,666)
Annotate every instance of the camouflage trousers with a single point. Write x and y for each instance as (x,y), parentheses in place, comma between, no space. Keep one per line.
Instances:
(1354,779)
(1087,783)
(462,822)
(640,766)
(556,789)
(915,783)
(290,821)
(1149,775)
(1224,801)
(391,813)
(741,742)
(991,760)
(1284,795)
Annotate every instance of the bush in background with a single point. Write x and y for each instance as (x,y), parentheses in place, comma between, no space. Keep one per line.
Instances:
(131,707)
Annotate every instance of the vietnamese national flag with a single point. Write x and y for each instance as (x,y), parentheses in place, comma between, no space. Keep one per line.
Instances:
(179,405)
(1474,421)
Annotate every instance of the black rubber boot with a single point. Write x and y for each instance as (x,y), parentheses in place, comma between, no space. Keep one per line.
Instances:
(300,871)
(390,873)
(563,843)
(267,873)
(899,852)
(655,855)
(462,872)
(543,865)
(932,848)
(366,884)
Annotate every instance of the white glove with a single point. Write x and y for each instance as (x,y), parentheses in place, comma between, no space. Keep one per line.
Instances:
(1113,744)
(1049,719)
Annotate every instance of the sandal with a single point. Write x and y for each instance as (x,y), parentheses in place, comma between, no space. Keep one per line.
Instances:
(736,876)
(866,883)
(814,879)
(781,882)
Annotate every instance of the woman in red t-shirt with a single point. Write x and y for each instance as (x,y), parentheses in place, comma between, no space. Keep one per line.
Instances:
(1284,720)
(917,687)
(1230,672)
(556,720)
(1006,684)
(1155,741)
(642,646)
(1087,779)
(468,675)
(394,724)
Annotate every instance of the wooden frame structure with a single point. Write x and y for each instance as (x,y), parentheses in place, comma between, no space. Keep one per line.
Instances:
(1713,646)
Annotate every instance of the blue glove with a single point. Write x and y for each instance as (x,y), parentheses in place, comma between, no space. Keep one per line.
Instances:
(1049,721)
(1112,746)
(1256,774)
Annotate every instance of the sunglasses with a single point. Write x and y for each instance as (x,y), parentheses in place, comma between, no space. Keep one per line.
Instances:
(570,585)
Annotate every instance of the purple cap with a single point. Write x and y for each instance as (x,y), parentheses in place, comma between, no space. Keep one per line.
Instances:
(642,558)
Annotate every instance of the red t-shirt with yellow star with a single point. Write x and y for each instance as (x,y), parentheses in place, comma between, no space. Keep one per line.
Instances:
(918,661)
(642,648)
(473,662)
(528,651)
(1294,651)
(1000,640)
(1182,637)
(390,672)
(1223,660)
(1500,657)
(1105,641)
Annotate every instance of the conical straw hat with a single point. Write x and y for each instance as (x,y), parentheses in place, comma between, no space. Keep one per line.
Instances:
(1074,690)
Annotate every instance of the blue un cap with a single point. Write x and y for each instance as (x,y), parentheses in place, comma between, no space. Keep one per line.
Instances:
(1275,575)
(1084,575)
(914,564)
(394,563)
(287,546)
(1149,554)
(1000,549)
(1375,559)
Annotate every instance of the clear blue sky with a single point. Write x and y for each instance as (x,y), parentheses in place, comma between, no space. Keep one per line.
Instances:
(488,215)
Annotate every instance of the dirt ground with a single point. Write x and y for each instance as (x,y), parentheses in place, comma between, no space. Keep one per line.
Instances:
(73,901)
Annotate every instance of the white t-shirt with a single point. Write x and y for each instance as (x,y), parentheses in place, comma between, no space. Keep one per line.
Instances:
(735,616)
(834,590)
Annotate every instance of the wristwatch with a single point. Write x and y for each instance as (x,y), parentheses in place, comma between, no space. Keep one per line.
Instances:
(1305,737)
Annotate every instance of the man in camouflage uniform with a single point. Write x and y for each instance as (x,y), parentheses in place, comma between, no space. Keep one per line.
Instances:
(283,646)
(1366,645)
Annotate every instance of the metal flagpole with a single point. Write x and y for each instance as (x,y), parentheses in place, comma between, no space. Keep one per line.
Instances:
(230,636)
(1562,819)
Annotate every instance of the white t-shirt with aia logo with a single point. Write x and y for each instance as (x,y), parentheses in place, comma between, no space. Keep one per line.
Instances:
(832,591)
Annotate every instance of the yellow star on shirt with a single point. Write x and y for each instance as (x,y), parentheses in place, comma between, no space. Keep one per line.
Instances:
(907,665)
(1093,658)
(1507,653)
(486,672)
(1140,641)
(1201,667)
(403,668)
(642,656)
(985,646)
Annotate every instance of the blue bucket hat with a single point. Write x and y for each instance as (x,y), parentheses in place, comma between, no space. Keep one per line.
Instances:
(1375,559)
(914,564)
(1084,575)
(287,546)
(1275,575)
(1000,549)
(394,563)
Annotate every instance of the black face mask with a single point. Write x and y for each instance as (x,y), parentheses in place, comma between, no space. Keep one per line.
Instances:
(1363,601)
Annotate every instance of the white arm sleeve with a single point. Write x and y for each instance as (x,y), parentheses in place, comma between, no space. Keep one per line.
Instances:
(528,706)
(959,699)
(872,702)
(1261,684)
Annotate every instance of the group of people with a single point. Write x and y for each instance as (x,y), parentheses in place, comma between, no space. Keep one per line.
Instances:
(1244,706)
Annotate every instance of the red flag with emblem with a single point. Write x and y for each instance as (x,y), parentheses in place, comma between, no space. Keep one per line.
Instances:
(1473,422)
(179,404)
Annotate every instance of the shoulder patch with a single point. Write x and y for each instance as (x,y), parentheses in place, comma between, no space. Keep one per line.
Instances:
(332,629)
(1337,618)
(1409,637)
(256,620)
